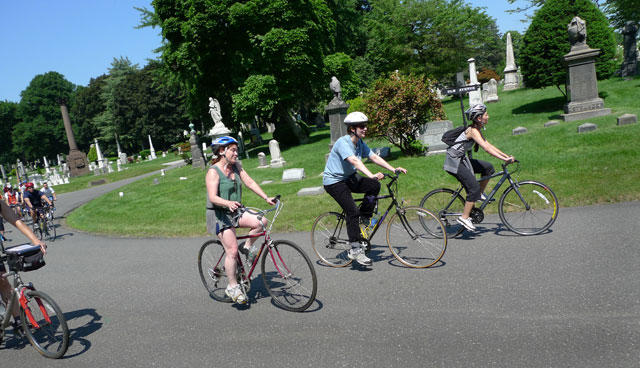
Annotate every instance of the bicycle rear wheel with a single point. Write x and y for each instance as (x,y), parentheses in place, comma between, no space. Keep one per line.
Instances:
(436,200)
(37,229)
(416,237)
(289,276)
(529,210)
(211,267)
(44,325)
(329,239)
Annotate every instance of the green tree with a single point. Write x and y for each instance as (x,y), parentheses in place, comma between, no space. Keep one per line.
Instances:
(432,37)
(622,11)
(398,106)
(88,105)
(546,42)
(8,121)
(41,129)
(221,48)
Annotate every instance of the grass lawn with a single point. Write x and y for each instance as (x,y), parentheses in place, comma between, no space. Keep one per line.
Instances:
(129,171)
(601,166)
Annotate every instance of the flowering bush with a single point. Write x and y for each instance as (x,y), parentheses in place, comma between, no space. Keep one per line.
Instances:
(398,106)
(485,75)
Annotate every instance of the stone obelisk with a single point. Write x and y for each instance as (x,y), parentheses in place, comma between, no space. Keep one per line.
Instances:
(475,97)
(76,159)
(511,70)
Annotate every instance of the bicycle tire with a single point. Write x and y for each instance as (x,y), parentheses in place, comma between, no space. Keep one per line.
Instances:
(331,249)
(436,200)
(52,230)
(51,337)
(289,276)
(411,242)
(542,213)
(211,268)
(37,230)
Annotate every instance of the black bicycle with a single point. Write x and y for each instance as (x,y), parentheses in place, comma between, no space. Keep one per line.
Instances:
(415,236)
(526,207)
(44,227)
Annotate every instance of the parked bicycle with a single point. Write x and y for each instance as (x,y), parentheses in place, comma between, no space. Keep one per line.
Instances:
(42,321)
(45,228)
(415,236)
(287,271)
(525,207)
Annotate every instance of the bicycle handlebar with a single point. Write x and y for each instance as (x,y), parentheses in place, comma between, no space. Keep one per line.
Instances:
(261,212)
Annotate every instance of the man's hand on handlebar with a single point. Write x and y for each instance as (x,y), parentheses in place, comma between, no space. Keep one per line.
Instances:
(399,170)
(377,176)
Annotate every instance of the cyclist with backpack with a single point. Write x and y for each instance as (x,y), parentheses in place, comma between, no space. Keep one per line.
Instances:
(464,168)
(340,179)
(224,181)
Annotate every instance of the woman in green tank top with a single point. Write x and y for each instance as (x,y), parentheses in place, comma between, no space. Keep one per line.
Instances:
(224,194)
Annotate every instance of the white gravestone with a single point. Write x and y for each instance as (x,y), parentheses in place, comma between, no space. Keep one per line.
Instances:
(292,175)
(475,97)
(119,165)
(311,191)
(519,130)
(99,153)
(587,127)
(491,88)
(276,156)
(510,70)
(627,119)
(262,161)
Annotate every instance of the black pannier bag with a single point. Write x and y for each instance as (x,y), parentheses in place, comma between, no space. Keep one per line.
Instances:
(25,258)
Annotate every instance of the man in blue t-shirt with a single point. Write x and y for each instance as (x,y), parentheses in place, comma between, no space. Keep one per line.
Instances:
(340,179)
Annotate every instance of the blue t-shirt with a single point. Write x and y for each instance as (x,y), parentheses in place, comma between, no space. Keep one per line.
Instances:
(338,168)
(35,197)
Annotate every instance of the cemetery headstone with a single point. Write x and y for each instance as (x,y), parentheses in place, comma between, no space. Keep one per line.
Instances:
(383,152)
(630,66)
(491,88)
(47,169)
(197,160)
(99,153)
(119,165)
(276,156)
(475,97)
(153,151)
(587,127)
(627,119)
(310,191)
(122,157)
(582,84)
(551,123)
(431,133)
(337,111)
(262,161)
(292,175)
(519,130)
(510,70)
(4,175)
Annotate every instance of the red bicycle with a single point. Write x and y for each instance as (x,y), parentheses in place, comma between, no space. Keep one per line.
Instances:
(287,271)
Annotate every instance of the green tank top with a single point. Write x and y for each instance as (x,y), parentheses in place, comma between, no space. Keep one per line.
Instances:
(228,189)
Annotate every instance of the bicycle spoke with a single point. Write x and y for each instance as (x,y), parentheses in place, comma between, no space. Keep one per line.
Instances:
(541,213)
(416,237)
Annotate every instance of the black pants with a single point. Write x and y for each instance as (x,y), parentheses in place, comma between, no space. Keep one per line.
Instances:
(468,178)
(341,192)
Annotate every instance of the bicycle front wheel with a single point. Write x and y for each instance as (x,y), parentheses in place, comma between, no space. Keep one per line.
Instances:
(37,230)
(289,276)
(436,201)
(211,259)
(50,231)
(329,239)
(44,325)
(529,208)
(416,237)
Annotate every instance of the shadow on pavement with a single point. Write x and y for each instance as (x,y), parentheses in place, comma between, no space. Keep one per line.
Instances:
(78,335)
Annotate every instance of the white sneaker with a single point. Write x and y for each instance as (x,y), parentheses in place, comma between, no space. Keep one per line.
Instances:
(359,256)
(236,294)
(466,223)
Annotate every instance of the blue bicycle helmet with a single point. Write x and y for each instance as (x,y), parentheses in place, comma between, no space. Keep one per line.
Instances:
(222,142)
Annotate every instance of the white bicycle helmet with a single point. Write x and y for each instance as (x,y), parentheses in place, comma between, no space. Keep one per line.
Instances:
(356,118)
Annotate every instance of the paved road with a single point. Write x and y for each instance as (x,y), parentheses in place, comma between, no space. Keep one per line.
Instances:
(568,298)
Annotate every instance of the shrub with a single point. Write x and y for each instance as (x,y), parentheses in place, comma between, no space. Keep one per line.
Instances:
(144,153)
(93,154)
(546,42)
(398,106)
(485,75)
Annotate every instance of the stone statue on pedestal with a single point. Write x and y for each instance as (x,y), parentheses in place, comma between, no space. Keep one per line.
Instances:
(216,114)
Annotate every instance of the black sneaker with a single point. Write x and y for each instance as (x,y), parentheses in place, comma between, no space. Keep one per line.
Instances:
(243,250)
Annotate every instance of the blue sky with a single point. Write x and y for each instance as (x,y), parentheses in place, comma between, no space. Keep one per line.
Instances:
(80,38)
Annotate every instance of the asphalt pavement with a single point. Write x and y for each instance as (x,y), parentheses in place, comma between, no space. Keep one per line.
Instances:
(567,298)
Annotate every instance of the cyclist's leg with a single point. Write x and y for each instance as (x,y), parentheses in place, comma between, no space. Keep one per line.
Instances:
(341,193)
(5,293)
(483,168)
(370,188)
(472,187)
(248,220)
(230,243)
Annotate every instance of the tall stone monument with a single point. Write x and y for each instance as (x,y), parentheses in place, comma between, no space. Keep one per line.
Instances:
(197,160)
(99,153)
(475,97)
(510,70)
(337,111)
(122,157)
(77,160)
(4,175)
(630,64)
(582,85)
(153,151)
